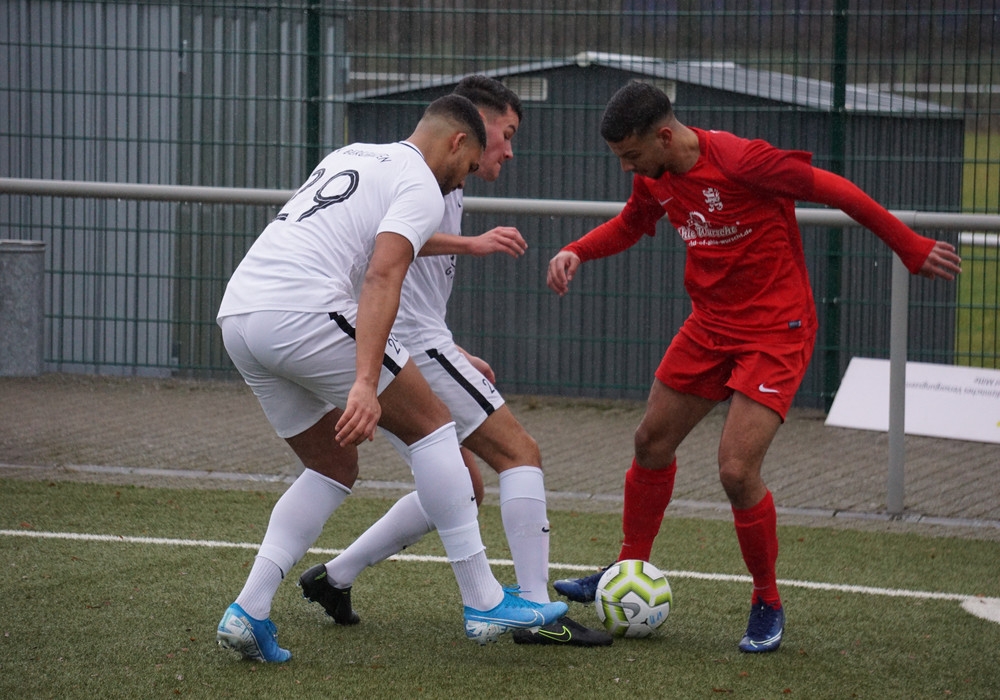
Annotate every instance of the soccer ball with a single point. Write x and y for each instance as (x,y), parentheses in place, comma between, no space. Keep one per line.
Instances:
(633,598)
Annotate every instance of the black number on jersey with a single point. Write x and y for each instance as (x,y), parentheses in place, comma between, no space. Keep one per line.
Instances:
(313,179)
(326,194)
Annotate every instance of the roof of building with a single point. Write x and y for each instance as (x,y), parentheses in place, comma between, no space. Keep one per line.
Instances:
(719,75)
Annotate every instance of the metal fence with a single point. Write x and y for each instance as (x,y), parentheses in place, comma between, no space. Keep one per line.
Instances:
(902,99)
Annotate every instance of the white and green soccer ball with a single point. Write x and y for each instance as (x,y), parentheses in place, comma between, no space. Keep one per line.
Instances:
(633,598)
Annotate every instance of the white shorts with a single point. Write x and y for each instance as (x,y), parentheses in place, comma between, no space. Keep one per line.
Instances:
(469,396)
(300,365)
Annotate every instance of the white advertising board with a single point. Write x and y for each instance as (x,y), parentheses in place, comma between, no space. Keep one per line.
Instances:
(962,403)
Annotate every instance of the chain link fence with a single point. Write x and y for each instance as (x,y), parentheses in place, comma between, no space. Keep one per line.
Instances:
(902,99)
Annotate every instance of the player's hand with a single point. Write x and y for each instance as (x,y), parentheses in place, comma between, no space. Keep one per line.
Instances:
(482,365)
(361,416)
(942,262)
(502,239)
(561,270)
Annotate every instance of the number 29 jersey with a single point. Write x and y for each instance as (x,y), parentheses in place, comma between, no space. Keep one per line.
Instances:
(314,255)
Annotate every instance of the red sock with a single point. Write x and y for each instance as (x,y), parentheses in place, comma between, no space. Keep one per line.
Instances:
(757,532)
(647,494)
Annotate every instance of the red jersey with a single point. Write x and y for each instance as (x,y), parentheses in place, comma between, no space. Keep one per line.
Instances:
(745,269)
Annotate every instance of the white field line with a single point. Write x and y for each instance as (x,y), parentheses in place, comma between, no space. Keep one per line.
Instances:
(814,585)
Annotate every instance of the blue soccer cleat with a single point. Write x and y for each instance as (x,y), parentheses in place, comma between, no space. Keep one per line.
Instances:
(581,590)
(513,612)
(253,639)
(764,629)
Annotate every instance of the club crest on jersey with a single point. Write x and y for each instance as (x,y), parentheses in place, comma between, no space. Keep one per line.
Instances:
(712,199)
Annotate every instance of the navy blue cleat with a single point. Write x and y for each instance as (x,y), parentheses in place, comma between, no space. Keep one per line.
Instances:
(581,590)
(764,629)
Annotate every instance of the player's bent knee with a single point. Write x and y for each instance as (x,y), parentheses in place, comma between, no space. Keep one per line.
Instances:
(738,482)
(650,453)
(503,443)
(531,455)
(342,471)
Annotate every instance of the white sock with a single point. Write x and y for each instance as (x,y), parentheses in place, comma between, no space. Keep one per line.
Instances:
(261,585)
(479,587)
(522,508)
(445,491)
(296,521)
(404,524)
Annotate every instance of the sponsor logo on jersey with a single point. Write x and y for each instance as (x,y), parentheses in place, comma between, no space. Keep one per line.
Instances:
(699,232)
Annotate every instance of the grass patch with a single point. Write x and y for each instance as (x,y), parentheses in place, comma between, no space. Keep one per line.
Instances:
(111,619)
(977,337)
(981,173)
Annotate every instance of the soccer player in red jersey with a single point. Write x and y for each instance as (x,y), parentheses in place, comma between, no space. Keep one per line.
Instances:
(753,321)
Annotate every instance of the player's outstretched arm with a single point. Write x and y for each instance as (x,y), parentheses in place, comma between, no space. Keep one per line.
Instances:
(921,255)
(610,238)
(502,239)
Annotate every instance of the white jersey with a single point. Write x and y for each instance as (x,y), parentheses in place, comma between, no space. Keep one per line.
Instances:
(420,323)
(314,255)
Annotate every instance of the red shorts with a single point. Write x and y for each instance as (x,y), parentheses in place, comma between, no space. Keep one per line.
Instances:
(713,366)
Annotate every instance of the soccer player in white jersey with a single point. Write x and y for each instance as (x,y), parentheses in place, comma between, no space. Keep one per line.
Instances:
(306,318)
(485,425)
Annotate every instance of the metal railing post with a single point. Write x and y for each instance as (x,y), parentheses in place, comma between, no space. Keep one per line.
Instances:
(898,329)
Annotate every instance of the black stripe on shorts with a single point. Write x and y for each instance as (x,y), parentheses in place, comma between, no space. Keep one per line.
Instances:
(346,326)
(483,402)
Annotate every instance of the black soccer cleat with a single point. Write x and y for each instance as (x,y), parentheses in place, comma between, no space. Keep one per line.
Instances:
(564,632)
(335,601)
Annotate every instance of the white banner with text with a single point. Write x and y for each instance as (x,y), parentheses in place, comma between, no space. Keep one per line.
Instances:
(962,403)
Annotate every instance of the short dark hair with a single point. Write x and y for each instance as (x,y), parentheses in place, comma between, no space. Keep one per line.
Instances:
(461,111)
(634,110)
(489,93)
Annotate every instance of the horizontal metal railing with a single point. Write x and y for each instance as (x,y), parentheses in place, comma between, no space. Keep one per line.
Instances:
(806,216)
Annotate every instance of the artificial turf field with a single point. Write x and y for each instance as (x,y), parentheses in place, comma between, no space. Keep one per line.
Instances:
(115,591)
